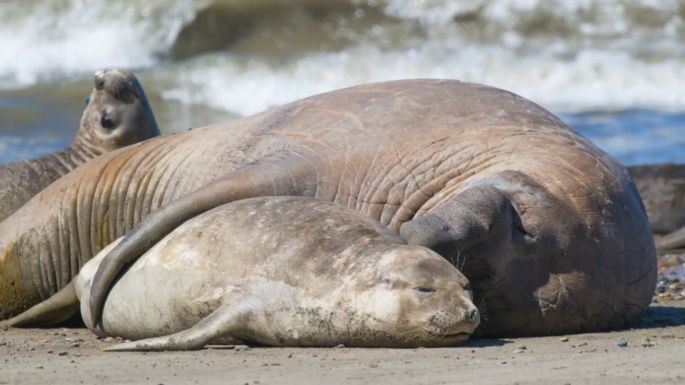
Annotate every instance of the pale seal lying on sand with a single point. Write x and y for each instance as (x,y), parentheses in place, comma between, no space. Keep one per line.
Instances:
(280,271)
(117,114)
(549,229)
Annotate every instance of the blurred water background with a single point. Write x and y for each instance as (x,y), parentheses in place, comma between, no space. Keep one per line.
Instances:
(614,70)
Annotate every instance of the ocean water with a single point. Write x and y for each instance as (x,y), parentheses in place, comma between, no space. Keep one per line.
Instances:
(612,69)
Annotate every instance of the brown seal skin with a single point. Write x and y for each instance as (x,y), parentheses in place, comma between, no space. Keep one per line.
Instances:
(662,188)
(117,115)
(549,229)
(277,271)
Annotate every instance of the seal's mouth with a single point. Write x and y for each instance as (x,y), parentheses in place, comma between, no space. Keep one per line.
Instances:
(447,340)
(457,337)
(461,336)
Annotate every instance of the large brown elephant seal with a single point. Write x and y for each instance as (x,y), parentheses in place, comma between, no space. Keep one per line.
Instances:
(662,188)
(283,271)
(550,230)
(117,114)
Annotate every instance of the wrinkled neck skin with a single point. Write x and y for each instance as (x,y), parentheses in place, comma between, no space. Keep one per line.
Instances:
(84,147)
(63,162)
(21,180)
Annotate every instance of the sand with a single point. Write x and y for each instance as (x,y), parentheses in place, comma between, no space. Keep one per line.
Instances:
(654,353)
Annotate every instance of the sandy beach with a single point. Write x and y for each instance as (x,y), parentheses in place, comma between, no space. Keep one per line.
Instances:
(652,352)
(612,70)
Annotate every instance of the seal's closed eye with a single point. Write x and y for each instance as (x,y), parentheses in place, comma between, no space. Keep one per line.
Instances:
(424,289)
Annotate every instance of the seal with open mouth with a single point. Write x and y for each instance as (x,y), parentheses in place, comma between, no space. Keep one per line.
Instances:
(117,114)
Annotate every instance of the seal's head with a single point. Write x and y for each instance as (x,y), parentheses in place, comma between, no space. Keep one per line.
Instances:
(417,298)
(117,113)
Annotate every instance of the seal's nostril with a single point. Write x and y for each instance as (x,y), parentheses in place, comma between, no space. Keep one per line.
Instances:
(99,80)
(473,315)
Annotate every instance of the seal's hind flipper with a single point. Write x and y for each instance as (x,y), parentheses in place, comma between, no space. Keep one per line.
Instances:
(223,322)
(58,308)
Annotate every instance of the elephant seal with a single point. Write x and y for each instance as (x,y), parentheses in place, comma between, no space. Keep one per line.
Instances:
(550,230)
(117,114)
(283,271)
(662,188)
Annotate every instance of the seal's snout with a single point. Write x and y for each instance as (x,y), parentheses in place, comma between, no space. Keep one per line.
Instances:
(119,83)
(469,320)
(473,316)
(460,322)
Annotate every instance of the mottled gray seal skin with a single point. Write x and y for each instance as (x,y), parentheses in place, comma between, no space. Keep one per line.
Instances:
(550,230)
(281,271)
(117,114)
(662,188)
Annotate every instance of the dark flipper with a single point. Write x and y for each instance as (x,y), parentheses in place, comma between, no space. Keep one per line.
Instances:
(278,174)
(483,213)
(672,241)
(58,308)
(471,218)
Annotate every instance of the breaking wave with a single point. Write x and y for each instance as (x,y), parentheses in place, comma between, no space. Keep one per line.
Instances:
(246,55)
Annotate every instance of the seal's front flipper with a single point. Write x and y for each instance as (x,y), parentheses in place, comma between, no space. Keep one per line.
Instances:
(471,218)
(58,308)
(229,318)
(672,241)
(281,173)
(485,218)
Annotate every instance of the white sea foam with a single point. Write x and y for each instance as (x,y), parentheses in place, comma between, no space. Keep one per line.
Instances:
(605,55)
(589,80)
(566,55)
(44,41)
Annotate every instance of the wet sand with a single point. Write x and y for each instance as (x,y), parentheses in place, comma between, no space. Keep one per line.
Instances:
(654,353)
